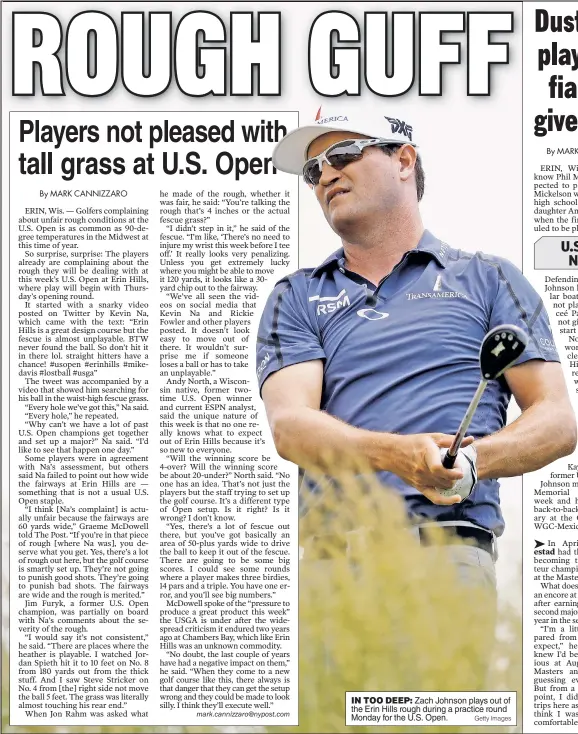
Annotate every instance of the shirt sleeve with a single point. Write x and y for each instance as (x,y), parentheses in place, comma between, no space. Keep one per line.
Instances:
(286,335)
(518,303)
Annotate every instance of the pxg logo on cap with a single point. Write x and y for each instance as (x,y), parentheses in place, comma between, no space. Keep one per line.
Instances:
(399,126)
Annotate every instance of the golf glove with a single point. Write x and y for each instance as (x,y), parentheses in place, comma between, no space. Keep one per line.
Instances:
(466,461)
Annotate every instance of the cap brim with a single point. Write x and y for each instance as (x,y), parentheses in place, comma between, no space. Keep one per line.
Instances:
(290,153)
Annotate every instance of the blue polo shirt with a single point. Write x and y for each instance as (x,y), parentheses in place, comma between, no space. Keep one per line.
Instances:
(402,357)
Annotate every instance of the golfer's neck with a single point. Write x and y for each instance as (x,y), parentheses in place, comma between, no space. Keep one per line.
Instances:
(377,250)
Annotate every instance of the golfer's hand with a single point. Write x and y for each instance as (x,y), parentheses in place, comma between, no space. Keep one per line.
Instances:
(466,460)
(419,464)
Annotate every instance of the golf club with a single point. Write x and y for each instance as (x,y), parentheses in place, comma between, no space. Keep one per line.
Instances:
(500,348)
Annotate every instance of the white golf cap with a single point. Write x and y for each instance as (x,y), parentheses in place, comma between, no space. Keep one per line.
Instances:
(290,153)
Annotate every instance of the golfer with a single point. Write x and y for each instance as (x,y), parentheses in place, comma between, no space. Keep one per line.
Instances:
(374,353)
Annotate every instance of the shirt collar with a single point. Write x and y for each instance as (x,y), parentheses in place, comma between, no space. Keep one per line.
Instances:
(435,247)
(428,243)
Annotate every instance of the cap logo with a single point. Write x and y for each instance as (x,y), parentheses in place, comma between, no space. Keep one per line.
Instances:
(335,118)
(318,115)
(399,126)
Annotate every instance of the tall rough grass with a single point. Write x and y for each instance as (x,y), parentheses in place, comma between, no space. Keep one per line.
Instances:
(377,612)
(387,614)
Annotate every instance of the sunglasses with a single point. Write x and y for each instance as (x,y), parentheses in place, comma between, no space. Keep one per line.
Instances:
(340,155)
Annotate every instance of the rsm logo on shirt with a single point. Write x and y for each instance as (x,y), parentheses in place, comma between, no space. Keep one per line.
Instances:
(329,304)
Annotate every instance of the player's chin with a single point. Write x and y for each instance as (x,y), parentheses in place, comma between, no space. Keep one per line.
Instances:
(342,220)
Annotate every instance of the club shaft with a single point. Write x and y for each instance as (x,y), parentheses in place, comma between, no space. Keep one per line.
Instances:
(450,458)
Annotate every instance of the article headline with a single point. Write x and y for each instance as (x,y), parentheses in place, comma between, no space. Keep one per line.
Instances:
(204,55)
(555,55)
(171,163)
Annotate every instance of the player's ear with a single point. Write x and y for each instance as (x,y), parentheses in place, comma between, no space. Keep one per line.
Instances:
(407,156)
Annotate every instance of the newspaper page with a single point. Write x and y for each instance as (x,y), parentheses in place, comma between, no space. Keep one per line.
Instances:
(181,352)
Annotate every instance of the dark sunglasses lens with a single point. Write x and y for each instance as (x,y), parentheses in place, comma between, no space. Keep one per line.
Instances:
(338,158)
(342,155)
(312,173)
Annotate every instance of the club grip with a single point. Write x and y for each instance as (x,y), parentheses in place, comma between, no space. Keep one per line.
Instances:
(449,461)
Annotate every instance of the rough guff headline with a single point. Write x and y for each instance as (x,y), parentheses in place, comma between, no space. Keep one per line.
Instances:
(205,54)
